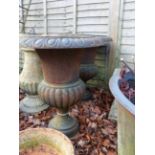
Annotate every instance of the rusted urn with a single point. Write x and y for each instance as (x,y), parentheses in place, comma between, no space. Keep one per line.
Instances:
(88,69)
(61,87)
(30,78)
(40,141)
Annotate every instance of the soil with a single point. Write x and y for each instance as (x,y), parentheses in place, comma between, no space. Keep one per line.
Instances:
(97,134)
(40,150)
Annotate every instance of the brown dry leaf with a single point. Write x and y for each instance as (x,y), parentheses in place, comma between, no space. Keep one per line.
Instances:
(111,153)
(104,150)
(101,153)
(92,125)
(104,131)
(46,118)
(87,137)
(93,117)
(94,152)
(82,119)
(106,142)
(81,143)
(111,131)
(75,112)
(97,110)
(36,122)
(112,146)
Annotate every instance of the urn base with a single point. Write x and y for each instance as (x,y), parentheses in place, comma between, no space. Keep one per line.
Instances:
(87,71)
(64,123)
(87,95)
(32,104)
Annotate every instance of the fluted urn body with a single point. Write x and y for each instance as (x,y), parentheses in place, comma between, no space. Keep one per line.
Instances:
(30,78)
(61,86)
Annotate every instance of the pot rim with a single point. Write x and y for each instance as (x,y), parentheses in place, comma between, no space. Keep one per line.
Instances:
(119,96)
(46,132)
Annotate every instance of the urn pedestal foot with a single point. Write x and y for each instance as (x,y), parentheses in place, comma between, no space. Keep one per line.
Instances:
(62,97)
(64,123)
(87,71)
(32,104)
(87,95)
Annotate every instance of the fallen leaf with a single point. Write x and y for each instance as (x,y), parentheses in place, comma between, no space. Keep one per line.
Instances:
(97,110)
(111,153)
(81,143)
(106,142)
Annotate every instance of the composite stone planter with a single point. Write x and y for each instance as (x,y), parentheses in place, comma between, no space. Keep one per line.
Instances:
(88,69)
(21,60)
(125,118)
(30,78)
(61,87)
(55,140)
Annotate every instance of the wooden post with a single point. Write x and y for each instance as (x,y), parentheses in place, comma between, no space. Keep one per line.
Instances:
(126,131)
(114,32)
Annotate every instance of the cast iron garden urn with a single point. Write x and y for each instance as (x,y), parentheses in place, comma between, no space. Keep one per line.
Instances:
(61,87)
(88,69)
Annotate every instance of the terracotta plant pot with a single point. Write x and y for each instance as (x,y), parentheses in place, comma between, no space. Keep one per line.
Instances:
(44,141)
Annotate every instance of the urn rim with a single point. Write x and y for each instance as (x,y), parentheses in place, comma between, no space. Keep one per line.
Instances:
(63,41)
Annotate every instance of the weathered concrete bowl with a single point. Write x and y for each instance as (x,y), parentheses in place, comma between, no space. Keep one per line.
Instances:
(126,117)
(33,137)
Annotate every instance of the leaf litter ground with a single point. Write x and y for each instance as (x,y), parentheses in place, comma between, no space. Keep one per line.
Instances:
(97,134)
